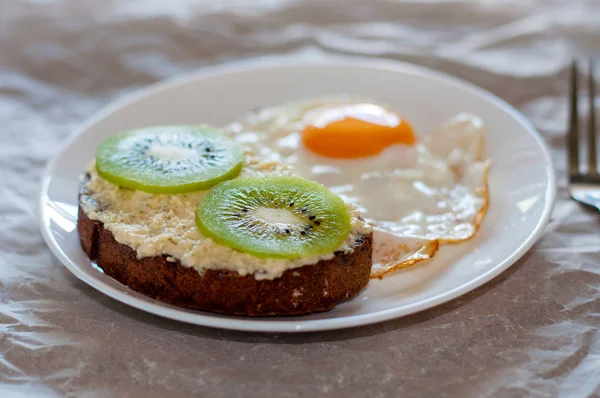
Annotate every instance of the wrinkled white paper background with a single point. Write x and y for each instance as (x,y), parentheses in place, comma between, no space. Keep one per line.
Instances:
(533,331)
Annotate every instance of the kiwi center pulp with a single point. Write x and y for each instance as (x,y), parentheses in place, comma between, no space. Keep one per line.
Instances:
(167,153)
(171,152)
(274,221)
(281,217)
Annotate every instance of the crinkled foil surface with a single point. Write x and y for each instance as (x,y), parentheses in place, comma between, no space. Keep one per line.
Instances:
(533,331)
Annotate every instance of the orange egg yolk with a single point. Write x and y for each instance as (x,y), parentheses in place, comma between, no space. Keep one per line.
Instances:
(355,130)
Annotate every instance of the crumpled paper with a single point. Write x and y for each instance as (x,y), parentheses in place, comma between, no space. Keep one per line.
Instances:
(533,331)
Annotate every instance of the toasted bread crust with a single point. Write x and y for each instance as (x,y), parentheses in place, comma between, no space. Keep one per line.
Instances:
(310,288)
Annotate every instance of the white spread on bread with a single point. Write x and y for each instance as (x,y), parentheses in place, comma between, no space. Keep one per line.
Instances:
(164,225)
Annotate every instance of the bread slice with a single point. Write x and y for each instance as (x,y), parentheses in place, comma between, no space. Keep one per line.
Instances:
(303,290)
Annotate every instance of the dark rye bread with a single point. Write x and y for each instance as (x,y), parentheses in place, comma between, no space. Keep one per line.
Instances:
(310,288)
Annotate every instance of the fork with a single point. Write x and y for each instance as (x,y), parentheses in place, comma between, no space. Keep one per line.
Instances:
(584,186)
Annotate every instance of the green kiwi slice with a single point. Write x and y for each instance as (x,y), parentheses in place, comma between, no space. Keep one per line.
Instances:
(274,217)
(169,159)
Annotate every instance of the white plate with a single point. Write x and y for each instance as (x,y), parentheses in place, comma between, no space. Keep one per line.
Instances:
(522,187)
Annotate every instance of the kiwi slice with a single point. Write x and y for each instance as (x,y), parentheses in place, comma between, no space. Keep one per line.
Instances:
(274,217)
(169,159)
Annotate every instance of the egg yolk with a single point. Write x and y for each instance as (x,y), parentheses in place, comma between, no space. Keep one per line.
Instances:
(355,130)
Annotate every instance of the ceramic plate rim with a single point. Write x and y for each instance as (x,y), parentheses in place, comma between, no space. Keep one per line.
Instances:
(298,324)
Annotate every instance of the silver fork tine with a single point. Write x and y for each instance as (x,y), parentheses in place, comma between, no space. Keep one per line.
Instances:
(592,122)
(573,138)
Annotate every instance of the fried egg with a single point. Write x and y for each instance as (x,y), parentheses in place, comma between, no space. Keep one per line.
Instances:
(416,190)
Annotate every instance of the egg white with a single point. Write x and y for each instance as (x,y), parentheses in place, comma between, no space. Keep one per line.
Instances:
(416,197)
